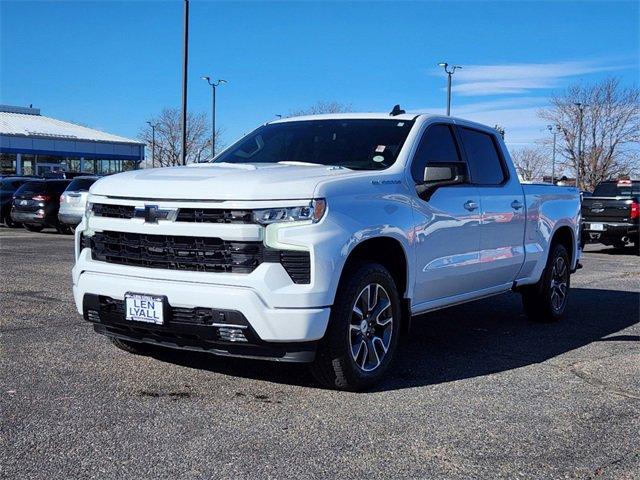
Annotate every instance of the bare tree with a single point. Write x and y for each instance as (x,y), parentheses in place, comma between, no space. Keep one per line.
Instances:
(322,107)
(168,141)
(610,130)
(531,163)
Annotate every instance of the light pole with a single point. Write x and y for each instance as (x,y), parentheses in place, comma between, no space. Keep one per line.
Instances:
(153,143)
(554,130)
(213,112)
(449,70)
(185,63)
(579,169)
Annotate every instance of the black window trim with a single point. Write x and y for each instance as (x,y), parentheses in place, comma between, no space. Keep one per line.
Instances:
(496,144)
(456,141)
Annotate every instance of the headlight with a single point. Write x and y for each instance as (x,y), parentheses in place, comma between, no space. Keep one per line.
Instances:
(313,212)
(87,209)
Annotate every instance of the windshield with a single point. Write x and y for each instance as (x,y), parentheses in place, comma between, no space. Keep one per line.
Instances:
(355,144)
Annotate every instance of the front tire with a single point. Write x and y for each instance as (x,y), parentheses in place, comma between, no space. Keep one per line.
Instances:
(10,223)
(363,331)
(33,228)
(546,301)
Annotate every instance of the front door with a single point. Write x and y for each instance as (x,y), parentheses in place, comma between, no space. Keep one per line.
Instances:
(447,225)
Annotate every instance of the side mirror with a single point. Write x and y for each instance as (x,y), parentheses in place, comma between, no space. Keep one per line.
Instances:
(437,173)
(440,175)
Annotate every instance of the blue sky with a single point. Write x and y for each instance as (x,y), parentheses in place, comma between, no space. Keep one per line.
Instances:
(113,65)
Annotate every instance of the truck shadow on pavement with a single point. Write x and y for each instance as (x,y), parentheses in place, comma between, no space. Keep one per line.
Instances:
(479,338)
(628,250)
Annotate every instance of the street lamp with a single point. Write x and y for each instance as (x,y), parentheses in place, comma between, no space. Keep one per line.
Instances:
(579,169)
(185,64)
(213,111)
(449,70)
(153,143)
(554,129)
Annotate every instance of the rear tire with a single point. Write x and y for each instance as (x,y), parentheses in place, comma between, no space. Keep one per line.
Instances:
(32,228)
(546,301)
(619,244)
(64,229)
(363,330)
(136,348)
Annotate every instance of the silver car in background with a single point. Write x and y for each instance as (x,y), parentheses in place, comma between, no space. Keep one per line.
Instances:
(74,200)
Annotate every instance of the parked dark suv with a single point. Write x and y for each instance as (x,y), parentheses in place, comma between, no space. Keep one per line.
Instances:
(36,205)
(8,186)
(611,216)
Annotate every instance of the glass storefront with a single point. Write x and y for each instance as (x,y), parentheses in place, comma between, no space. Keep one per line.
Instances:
(41,164)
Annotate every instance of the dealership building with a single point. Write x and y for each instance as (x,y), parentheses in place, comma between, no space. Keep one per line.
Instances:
(32,144)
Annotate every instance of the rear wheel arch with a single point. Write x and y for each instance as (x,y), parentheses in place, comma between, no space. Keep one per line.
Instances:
(564,236)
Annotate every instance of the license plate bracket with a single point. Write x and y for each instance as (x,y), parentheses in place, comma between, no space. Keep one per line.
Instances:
(145,308)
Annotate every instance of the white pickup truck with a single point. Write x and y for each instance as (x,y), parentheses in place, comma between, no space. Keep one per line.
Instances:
(317,239)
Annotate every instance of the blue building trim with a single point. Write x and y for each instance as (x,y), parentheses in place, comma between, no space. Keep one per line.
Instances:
(57,153)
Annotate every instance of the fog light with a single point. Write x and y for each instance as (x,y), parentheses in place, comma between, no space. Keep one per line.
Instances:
(40,213)
(229,334)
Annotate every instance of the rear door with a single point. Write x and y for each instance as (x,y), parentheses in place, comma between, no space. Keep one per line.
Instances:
(447,233)
(502,208)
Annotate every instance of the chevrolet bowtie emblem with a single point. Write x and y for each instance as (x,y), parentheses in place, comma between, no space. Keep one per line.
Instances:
(151,213)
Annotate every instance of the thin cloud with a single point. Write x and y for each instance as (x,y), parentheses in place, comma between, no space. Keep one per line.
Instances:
(521,78)
(517,115)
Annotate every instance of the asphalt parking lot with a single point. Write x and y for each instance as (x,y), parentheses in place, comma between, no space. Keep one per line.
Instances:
(478,392)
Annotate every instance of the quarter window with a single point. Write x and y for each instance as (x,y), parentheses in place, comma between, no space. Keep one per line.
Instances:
(436,146)
(483,158)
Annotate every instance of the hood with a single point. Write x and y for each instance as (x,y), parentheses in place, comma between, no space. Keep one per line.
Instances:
(273,181)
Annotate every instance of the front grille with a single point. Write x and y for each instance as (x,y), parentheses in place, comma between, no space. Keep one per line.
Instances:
(213,215)
(201,254)
(113,211)
(191,215)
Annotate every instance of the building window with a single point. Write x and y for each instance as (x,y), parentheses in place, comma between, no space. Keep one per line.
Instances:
(7,163)
(28,164)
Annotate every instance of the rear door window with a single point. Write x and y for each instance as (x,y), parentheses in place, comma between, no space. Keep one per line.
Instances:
(482,156)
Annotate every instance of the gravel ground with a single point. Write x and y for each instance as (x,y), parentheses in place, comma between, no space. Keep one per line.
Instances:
(478,392)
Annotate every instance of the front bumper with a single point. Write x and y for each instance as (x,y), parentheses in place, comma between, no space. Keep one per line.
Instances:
(270,324)
(221,332)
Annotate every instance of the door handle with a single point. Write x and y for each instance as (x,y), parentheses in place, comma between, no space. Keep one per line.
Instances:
(470,205)
(516,205)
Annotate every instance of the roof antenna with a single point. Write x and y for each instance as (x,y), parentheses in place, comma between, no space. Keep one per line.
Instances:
(397,111)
